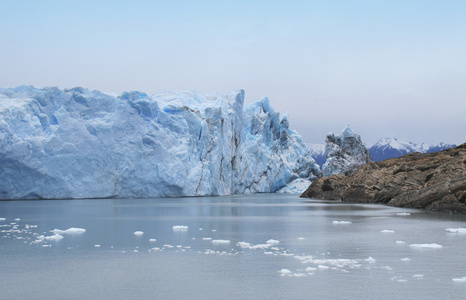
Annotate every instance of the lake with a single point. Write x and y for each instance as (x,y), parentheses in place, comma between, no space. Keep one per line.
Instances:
(267,246)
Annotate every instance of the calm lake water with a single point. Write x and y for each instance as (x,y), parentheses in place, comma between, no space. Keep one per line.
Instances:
(267,246)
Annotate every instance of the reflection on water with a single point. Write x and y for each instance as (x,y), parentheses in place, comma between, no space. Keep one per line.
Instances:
(258,246)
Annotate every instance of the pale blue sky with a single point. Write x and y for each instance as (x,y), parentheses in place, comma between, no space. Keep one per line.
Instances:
(388,68)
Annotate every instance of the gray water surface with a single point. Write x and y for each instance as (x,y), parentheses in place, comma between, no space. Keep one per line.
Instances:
(267,246)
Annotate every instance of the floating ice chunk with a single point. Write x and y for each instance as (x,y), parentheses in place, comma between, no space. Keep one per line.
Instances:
(17,219)
(273,242)
(285,272)
(138,233)
(180,228)
(55,237)
(2,219)
(152,240)
(418,276)
(135,250)
(403,214)
(253,247)
(402,280)
(301,238)
(46,246)
(168,246)
(406,259)
(387,231)
(310,269)
(461,279)
(341,222)
(400,242)
(206,239)
(431,246)
(71,230)
(299,274)
(244,244)
(322,267)
(96,246)
(220,242)
(370,260)
(456,230)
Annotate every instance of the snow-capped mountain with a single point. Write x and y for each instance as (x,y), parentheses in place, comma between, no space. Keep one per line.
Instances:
(79,143)
(345,153)
(391,147)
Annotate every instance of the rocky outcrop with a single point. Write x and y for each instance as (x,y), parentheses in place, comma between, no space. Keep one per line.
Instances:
(345,153)
(432,181)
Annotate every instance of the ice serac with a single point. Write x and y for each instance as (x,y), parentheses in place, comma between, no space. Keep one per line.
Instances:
(79,143)
(345,153)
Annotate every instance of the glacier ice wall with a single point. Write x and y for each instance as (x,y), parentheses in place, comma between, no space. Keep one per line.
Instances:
(79,143)
(345,153)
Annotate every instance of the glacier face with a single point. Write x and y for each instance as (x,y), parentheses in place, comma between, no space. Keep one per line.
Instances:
(79,143)
(345,153)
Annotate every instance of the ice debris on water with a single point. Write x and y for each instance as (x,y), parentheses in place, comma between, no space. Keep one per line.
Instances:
(456,230)
(221,242)
(138,233)
(387,231)
(403,214)
(341,222)
(431,246)
(460,279)
(71,230)
(180,228)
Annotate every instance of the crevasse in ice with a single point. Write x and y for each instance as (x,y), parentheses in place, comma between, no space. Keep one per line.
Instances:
(79,143)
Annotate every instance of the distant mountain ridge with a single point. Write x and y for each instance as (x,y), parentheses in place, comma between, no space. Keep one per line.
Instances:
(392,147)
(384,149)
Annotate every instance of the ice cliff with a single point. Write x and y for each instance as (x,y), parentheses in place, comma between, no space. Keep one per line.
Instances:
(79,143)
(345,153)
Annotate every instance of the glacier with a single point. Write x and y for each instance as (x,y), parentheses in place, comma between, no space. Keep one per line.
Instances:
(345,153)
(80,143)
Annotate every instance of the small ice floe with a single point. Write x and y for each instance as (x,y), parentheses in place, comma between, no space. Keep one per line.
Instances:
(461,279)
(273,242)
(387,231)
(96,246)
(152,240)
(418,276)
(71,230)
(138,233)
(403,214)
(2,219)
(180,228)
(301,238)
(406,259)
(370,260)
(168,246)
(310,269)
(285,272)
(206,239)
(220,242)
(135,250)
(430,246)
(17,219)
(253,247)
(55,237)
(322,267)
(341,222)
(46,246)
(400,242)
(201,228)
(456,230)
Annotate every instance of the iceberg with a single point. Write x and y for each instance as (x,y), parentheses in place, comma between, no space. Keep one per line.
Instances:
(345,153)
(78,143)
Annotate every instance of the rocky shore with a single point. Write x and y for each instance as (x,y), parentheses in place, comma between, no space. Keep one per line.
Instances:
(433,181)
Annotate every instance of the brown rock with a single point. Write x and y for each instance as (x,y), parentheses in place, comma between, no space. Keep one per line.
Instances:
(433,181)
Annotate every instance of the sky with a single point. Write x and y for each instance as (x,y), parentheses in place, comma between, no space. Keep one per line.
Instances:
(389,68)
